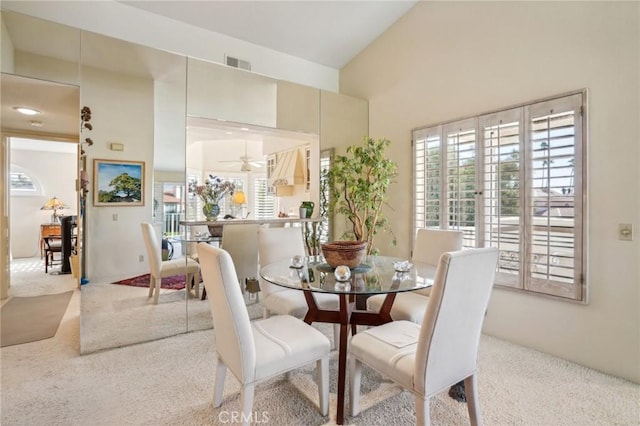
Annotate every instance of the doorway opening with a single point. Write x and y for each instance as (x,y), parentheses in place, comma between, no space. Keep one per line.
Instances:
(42,201)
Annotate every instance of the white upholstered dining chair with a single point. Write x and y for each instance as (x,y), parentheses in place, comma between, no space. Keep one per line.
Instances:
(241,242)
(167,268)
(428,359)
(276,244)
(428,245)
(255,351)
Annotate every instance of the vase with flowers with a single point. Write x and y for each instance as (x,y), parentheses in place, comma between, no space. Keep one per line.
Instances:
(211,192)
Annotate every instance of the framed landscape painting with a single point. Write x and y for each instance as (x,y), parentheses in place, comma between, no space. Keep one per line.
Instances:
(118,183)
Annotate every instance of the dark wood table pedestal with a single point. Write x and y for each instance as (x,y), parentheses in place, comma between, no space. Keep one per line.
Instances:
(345,316)
(377,275)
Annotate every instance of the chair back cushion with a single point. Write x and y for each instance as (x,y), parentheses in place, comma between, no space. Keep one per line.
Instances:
(450,334)
(276,244)
(429,244)
(153,248)
(231,324)
(241,242)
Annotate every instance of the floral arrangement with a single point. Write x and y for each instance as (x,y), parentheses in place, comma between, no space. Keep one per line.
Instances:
(213,189)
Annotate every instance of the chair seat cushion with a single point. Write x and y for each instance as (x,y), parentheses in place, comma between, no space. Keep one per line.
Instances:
(283,342)
(408,306)
(179,266)
(393,357)
(292,302)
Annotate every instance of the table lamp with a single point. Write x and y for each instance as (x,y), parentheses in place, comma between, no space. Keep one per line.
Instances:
(55,205)
(239,198)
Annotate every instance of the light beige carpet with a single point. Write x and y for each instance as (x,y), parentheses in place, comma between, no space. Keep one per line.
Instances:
(170,382)
(29,319)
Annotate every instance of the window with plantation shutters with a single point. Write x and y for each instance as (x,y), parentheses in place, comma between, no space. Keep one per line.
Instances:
(265,203)
(511,179)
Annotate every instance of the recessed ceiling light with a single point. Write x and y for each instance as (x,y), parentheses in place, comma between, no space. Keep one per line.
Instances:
(26,110)
(36,123)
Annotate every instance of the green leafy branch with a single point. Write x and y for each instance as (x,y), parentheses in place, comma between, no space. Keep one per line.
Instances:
(358,184)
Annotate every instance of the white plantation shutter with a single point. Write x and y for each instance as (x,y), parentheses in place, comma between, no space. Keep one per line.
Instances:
(427,177)
(265,203)
(514,180)
(501,192)
(553,214)
(460,172)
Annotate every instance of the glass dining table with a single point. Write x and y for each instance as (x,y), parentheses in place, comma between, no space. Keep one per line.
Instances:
(377,275)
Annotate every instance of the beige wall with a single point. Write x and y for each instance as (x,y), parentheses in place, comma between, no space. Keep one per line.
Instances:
(239,96)
(344,122)
(446,60)
(121,108)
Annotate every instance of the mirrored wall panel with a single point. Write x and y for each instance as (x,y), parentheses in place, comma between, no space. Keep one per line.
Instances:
(137,98)
(40,128)
(177,121)
(233,136)
(40,49)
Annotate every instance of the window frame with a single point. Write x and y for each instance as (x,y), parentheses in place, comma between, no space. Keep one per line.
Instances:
(575,101)
(18,192)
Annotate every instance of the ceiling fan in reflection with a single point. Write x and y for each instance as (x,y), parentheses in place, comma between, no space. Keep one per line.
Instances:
(246,163)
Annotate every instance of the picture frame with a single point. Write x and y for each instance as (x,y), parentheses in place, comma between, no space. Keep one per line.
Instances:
(118,183)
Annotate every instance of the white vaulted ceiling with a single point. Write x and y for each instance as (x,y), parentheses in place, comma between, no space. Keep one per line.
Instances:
(329,33)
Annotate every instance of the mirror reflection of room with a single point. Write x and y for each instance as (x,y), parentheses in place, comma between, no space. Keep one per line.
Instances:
(137,97)
(247,156)
(172,113)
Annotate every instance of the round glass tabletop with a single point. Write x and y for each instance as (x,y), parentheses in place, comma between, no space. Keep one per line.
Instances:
(377,275)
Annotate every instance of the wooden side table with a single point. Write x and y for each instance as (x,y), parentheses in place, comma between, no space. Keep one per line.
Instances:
(48,230)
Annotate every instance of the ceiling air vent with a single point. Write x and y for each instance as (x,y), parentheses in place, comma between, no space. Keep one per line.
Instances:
(237,63)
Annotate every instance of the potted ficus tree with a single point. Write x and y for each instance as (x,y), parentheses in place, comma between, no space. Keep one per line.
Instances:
(358,184)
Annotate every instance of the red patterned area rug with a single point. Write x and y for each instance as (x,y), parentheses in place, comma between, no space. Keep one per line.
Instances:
(176,282)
